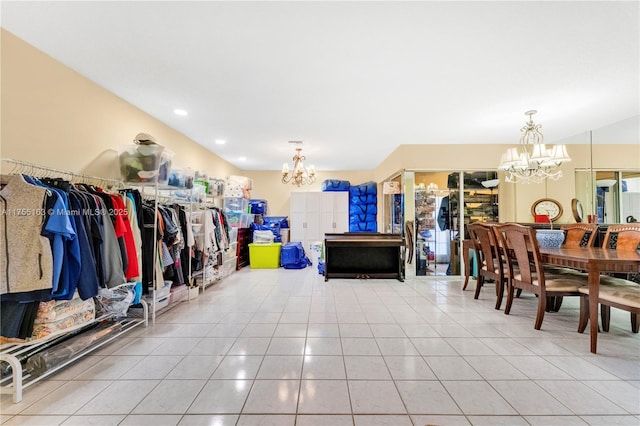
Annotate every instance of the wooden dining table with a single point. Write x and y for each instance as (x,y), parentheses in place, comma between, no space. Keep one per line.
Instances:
(595,261)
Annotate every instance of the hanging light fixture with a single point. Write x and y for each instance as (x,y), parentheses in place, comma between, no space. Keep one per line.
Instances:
(532,162)
(299,175)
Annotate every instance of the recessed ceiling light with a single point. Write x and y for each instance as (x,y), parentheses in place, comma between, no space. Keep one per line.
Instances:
(242,158)
(180,112)
(220,141)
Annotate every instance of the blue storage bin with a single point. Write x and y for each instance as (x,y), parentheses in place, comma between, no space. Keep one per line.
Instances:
(281,220)
(364,199)
(258,206)
(364,189)
(292,256)
(363,227)
(357,218)
(356,209)
(335,185)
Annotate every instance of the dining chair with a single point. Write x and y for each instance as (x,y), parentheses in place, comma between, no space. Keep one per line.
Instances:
(489,259)
(526,270)
(616,291)
(577,235)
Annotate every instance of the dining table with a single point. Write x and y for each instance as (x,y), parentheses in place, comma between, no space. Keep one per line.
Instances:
(595,261)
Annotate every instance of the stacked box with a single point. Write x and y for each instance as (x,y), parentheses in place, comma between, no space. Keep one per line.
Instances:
(363,207)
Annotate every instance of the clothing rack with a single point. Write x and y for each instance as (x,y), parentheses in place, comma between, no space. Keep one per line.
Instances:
(13,353)
(23,167)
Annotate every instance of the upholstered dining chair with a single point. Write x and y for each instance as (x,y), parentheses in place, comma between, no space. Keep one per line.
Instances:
(526,271)
(615,292)
(489,260)
(577,235)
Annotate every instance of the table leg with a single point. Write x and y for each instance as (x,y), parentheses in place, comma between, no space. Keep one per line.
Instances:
(594,287)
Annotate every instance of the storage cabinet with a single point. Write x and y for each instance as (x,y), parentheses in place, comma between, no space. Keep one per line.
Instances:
(244,238)
(313,214)
(425,230)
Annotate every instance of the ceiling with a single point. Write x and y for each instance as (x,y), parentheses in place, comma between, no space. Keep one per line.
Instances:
(353,80)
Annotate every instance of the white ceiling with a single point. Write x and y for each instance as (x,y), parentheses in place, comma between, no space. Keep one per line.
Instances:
(353,80)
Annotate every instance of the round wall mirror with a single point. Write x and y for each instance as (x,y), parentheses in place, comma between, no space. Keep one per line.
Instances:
(576,208)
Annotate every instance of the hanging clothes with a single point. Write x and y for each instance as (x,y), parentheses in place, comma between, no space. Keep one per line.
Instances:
(27,258)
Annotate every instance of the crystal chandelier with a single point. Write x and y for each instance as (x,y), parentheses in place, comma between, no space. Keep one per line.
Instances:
(532,162)
(299,175)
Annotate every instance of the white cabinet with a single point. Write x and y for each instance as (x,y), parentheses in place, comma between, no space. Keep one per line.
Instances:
(313,214)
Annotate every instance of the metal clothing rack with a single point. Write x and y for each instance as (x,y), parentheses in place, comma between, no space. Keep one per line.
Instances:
(23,167)
(13,353)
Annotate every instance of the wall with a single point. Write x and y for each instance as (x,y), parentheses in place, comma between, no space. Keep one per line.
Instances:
(55,117)
(267,185)
(516,199)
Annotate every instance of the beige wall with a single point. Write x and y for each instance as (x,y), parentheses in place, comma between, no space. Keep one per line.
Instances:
(267,185)
(515,199)
(55,117)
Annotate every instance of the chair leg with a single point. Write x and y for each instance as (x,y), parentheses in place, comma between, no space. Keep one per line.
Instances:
(510,291)
(479,284)
(551,303)
(519,292)
(634,322)
(556,308)
(584,313)
(605,315)
(500,294)
(542,307)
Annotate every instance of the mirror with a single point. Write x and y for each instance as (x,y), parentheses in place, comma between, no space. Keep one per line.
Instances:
(612,196)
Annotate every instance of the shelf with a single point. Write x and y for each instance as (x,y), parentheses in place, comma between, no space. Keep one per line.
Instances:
(18,379)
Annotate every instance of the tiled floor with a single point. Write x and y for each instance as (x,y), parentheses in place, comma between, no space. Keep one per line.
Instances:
(283,347)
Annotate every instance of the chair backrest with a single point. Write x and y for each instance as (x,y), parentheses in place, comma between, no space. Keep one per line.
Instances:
(486,246)
(579,234)
(624,237)
(524,253)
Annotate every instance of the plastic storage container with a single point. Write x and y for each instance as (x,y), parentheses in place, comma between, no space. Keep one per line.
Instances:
(181,178)
(140,163)
(263,237)
(236,204)
(264,256)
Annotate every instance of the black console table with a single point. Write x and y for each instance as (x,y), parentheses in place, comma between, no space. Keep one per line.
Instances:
(364,255)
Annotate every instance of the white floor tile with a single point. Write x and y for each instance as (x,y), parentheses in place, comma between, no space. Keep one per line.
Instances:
(276,347)
(366,368)
(323,367)
(170,397)
(324,420)
(106,420)
(208,420)
(426,397)
(195,367)
(68,398)
(273,396)
(120,397)
(238,367)
(375,397)
(221,396)
(324,397)
(580,398)
(263,420)
(280,367)
(478,398)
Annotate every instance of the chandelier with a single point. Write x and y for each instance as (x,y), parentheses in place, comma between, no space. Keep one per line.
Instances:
(299,175)
(532,162)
